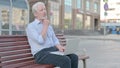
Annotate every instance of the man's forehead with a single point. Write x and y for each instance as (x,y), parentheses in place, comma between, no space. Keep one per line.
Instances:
(41,6)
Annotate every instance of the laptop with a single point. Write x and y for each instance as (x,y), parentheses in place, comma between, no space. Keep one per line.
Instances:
(71,47)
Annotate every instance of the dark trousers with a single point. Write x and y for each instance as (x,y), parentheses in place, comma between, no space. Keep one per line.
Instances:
(63,61)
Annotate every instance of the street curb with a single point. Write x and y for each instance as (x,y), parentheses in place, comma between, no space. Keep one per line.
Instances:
(114,38)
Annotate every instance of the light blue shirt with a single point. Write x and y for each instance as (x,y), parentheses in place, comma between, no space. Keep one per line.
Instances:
(35,38)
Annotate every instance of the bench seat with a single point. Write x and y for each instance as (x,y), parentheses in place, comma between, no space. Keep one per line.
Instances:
(15,52)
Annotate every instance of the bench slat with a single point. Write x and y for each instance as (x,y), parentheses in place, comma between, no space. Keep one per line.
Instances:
(4,49)
(9,44)
(12,39)
(25,62)
(37,66)
(63,40)
(63,43)
(8,53)
(19,64)
(16,61)
(9,58)
(83,57)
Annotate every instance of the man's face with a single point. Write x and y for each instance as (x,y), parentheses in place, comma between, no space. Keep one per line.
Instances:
(41,12)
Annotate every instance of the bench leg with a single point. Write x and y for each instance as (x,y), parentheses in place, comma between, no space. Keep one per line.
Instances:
(84,63)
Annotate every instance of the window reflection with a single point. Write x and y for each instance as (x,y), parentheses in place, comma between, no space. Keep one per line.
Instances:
(18,32)
(13,16)
(79,4)
(79,21)
(95,7)
(68,14)
(54,14)
(5,32)
(19,19)
(88,22)
(5,18)
(87,5)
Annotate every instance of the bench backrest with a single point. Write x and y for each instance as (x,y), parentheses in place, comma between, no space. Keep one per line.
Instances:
(15,51)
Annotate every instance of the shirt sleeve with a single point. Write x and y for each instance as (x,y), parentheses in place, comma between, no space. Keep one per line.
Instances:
(55,39)
(34,35)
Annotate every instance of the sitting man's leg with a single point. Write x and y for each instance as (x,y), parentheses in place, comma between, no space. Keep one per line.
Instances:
(57,60)
(74,60)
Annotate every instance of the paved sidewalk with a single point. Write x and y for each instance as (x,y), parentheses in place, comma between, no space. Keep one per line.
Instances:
(103,37)
(103,50)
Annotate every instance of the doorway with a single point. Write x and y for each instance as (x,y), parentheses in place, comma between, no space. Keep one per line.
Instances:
(96,24)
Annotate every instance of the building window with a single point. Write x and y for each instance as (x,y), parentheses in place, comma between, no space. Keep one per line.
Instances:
(19,20)
(13,17)
(88,22)
(95,7)
(79,21)
(87,5)
(68,14)
(5,18)
(54,14)
(79,4)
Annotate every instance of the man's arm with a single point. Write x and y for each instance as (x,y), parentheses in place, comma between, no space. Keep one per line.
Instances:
(33,34)
(45,28)
(56,42)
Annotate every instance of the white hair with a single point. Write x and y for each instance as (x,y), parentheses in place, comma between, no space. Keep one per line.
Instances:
(35,6)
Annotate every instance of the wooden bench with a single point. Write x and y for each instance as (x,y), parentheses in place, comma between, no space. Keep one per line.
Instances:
(15,53)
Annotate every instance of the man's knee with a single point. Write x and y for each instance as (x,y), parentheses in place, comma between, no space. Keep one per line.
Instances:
(64,62)
(66,59)
(73,56)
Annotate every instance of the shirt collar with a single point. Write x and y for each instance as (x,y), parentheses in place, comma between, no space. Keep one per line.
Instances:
(37,21)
